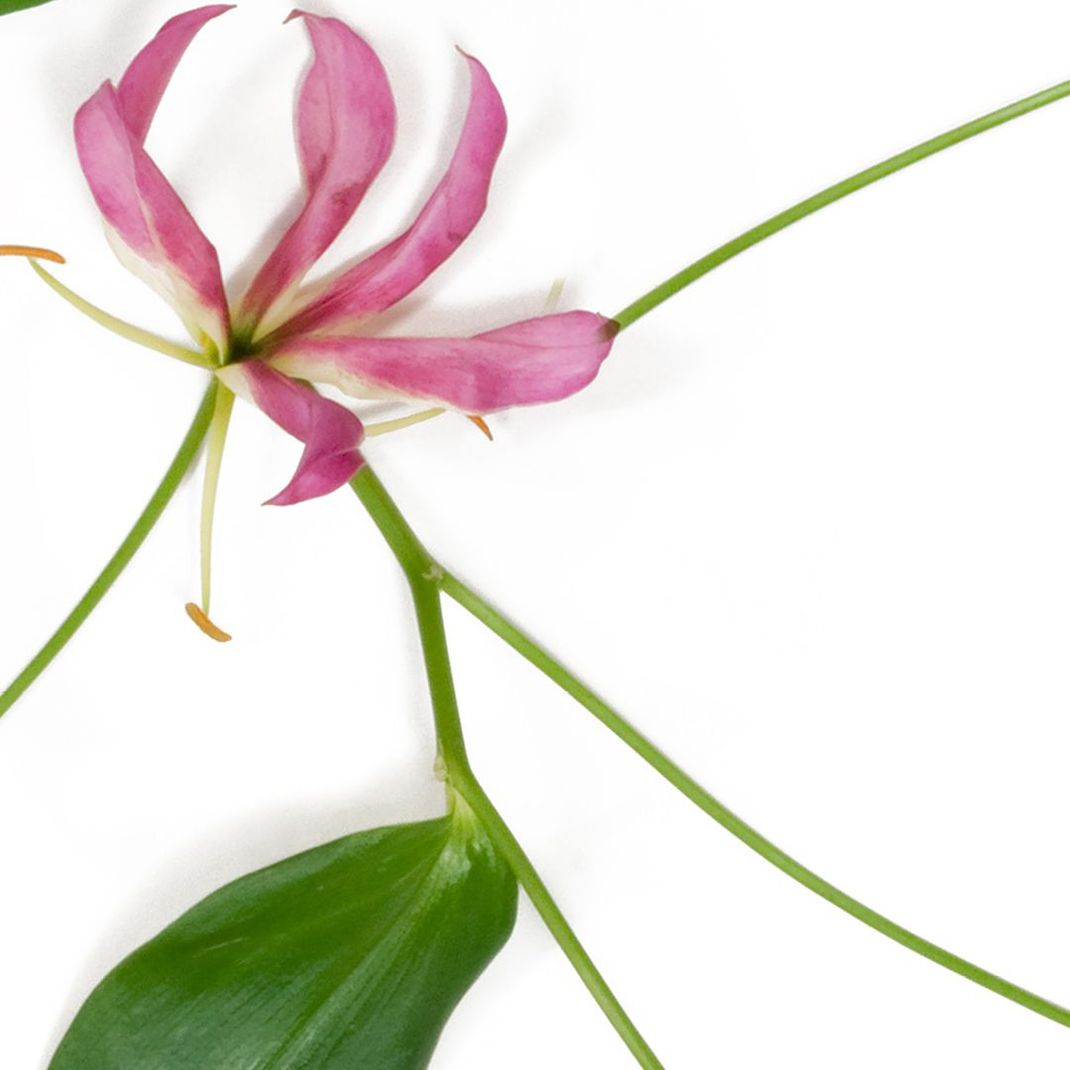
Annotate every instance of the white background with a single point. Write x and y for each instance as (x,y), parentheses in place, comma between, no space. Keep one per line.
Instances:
(809,529)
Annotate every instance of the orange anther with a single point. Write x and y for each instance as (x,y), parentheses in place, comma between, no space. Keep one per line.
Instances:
(32,252)
(200,618)
(482,425)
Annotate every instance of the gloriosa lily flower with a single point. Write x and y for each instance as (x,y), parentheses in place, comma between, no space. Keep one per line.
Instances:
(279,337)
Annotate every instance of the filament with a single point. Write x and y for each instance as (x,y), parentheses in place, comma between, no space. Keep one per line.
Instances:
(118,326)
(384,427)
(217,440)
(553,298)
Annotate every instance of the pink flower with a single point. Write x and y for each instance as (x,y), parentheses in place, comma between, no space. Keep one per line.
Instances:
(278,332)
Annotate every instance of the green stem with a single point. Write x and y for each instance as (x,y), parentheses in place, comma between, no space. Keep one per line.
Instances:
(453,757)
(184,458)
(677,282)
(415,561)
(546,663)
(472,792)
(424,576)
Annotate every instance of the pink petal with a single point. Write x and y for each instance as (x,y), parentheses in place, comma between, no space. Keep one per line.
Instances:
(146,78)
(449,215)
(331,433)
(537,360)
(153,231)
(345,131)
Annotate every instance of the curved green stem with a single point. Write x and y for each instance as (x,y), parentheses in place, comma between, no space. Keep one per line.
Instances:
(663,291)
(184,458)
(546,663)
(415,561)
(424,577)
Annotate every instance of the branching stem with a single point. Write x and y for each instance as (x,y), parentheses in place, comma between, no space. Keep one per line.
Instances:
(551,667)
(424,577)
(429,574)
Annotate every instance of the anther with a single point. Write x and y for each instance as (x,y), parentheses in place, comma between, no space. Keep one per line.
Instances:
(200,618)
(33,252)
(482,425)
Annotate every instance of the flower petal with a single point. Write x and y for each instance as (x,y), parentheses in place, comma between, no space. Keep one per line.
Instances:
(453,209)
(345,131)
(151,229)
(330,432)
(146,78)
(536,360)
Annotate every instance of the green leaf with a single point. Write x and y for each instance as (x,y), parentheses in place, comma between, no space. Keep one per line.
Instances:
(351,955)
(7,6)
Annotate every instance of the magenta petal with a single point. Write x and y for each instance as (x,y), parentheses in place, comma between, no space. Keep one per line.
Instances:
(345,131)
(155,235)
(449,215)
(146,78)
(537,360)
(331,433)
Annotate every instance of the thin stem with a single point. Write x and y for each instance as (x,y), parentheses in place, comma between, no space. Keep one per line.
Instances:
(121,327)
(424,576)
(473,794)
(552,668)
(415,561)
(663,291)
(453,757)
(422,573)
(163,494)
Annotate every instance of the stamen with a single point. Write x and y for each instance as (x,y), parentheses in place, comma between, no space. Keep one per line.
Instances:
(482,425)
(217,440)
(200,618)
(553,298)
(31,251)
(384,427)
(121,327)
